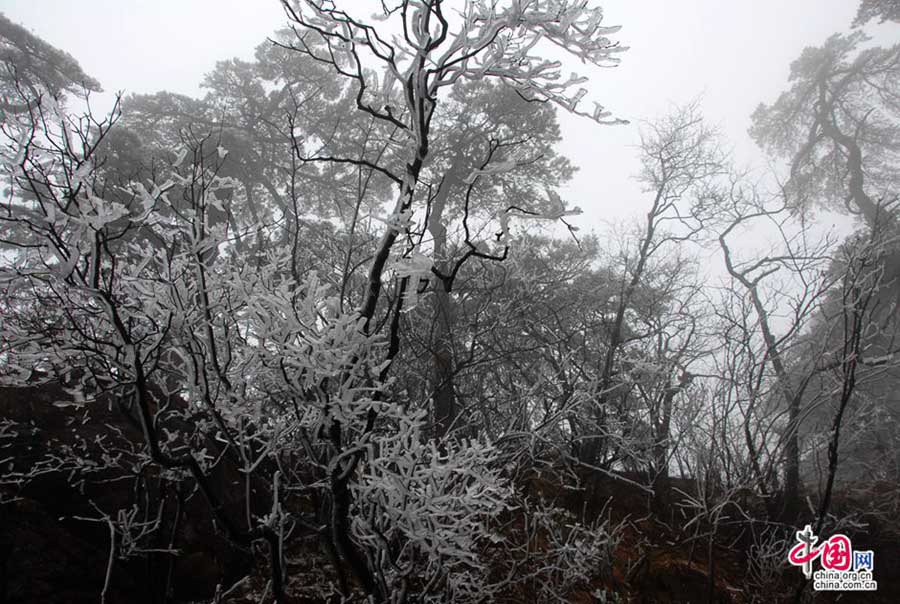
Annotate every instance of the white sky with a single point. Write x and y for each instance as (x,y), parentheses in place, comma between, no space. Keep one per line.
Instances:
(732,54)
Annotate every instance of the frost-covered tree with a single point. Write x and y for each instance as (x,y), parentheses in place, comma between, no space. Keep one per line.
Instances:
(398,77)
(837,127)
(883,10)
(31,67)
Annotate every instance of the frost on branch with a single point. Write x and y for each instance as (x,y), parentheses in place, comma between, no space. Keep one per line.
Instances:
(505,41)
(421,502)
(416,267)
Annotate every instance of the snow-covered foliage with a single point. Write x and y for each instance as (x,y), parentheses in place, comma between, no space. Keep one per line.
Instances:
(571,552)
(420,501)
(506,41)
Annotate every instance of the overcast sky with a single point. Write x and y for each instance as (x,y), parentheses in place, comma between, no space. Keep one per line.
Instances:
(731,54)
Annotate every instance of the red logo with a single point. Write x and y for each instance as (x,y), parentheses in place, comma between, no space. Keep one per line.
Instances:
(834,554)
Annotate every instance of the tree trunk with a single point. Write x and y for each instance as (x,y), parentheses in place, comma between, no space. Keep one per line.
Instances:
(445,409)
(791,508)
(443,316)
